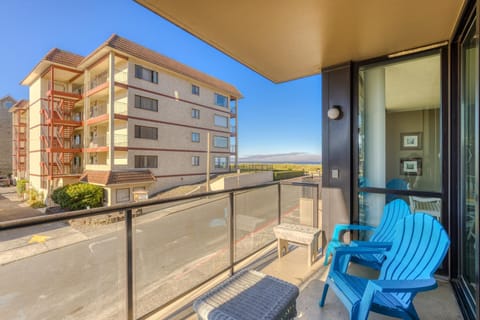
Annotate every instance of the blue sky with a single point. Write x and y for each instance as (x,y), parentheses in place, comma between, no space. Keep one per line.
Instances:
(273,118)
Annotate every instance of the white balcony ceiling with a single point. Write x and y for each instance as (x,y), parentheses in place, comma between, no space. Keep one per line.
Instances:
(288,39)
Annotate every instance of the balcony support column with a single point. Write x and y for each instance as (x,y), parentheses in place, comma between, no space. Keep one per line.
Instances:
(111,109)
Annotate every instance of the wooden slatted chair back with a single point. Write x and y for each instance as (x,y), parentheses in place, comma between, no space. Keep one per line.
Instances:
(392,213)
(420,245)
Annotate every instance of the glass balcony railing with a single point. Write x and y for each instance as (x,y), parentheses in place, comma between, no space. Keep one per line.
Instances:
(97,110)
(153,252)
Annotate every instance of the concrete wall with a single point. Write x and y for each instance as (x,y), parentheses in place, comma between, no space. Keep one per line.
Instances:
(242,180)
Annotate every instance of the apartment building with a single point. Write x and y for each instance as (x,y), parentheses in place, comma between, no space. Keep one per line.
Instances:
(19,143)
(6,137)
(128,119)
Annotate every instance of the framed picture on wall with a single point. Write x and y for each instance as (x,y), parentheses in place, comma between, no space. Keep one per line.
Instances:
(411,167)
(411,141)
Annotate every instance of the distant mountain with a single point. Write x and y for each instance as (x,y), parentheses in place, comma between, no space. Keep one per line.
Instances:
(292,157)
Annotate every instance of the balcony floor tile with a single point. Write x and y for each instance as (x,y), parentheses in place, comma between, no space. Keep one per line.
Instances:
(439,304)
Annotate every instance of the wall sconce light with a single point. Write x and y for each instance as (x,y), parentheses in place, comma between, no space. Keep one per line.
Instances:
(334,113)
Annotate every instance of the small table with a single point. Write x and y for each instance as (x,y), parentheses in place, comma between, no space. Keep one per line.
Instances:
(249,295)
(299,234)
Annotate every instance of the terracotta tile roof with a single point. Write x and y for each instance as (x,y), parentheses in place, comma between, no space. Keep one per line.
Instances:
(140,52)
(22,104)
(117,177)
(63,57)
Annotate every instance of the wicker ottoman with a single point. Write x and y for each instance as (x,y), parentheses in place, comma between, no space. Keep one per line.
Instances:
(248,295)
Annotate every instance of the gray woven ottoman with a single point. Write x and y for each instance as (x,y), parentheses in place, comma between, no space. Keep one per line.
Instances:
(248,295)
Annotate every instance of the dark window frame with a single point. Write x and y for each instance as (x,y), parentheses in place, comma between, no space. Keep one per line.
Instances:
(195,90)
(141,132)
(145,162)
(140,74)
(140,100)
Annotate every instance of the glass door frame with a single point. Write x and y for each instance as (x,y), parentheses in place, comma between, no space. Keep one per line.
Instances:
(443,194)
(468,304)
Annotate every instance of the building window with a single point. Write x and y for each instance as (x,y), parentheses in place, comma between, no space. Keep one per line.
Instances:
(221,100)
(146,74)
(195,161)
(221,121)
(220,142)
(221,162)
(9,104)
(123,195)
(143,132)
(146,162)
(195,137)
(146,103)
(195,113)
(195,90)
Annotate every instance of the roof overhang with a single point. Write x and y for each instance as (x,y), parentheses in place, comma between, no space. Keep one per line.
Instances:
(285,39)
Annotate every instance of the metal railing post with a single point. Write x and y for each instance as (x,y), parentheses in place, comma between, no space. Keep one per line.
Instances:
(279,203)
(129,256)
(232,231)
(315,206)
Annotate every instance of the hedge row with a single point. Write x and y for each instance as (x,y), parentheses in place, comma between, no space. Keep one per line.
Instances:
(280,175)
(78,196)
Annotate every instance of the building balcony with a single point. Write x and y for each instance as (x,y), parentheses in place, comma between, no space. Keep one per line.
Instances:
(98,113)
(151,259)
(120,140)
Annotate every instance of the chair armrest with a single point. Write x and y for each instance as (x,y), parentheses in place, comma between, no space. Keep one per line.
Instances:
(342,255)
(370,244)
(340,228)
(413,286)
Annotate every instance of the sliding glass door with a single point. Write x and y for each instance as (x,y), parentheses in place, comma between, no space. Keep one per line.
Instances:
(400,136)
(469,163)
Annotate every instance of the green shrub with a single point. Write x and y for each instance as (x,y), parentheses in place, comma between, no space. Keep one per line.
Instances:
(21,186)
(280,175)
(37,204)
(78,196)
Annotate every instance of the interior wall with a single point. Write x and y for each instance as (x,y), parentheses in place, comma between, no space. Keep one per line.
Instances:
(428,123)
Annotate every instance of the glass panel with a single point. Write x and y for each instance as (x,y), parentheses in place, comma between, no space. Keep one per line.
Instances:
(469,157)
(256,214)
(178,246)
(370,209)
(298,204)
(399,125)
(73,269)
(431,206)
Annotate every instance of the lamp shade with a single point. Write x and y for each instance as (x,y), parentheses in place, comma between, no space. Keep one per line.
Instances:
(334,113)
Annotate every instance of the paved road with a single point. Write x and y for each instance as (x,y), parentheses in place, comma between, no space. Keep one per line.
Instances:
(86,279)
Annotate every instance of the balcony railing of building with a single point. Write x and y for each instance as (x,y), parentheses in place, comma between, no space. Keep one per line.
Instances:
(130,261)
(121,75)
(120,140)
(103,108)
(97,110)
(98,79)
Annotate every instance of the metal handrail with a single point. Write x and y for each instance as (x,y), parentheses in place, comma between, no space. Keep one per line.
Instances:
(129,210)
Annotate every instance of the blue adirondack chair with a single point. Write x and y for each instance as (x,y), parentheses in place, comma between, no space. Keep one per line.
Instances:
(419,247)
(395,184)
(381,237)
